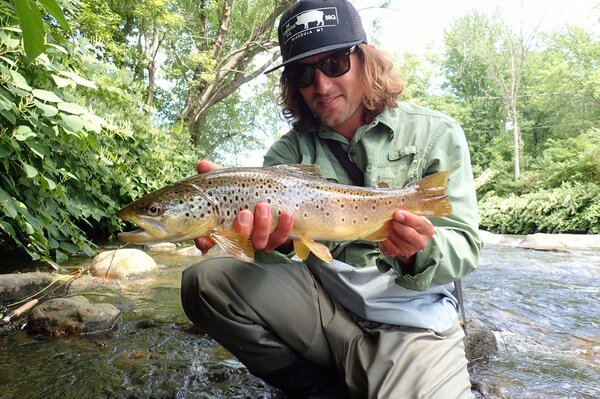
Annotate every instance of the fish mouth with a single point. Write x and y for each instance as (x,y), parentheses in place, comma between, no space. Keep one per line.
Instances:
(149,231)
(139,235)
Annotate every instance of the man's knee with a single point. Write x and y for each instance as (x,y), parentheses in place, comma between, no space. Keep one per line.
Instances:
(199,283)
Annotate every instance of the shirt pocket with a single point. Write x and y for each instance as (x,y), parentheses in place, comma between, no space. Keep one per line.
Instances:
(397,168)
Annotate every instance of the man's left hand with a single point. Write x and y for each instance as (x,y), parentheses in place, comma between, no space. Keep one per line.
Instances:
(410,234)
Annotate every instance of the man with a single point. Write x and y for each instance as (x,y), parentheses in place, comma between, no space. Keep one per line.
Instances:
(380,321)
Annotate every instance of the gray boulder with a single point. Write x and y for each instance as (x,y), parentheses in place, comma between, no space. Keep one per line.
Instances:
(72,316)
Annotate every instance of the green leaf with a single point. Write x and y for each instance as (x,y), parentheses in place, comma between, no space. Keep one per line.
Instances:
(9,41)
(78,79)
(53,264)
(46,95)
(51,183)
(30,20)
(61,82)
(7,229)
(5,150)
(72,122)
(10,210)
(10,116)
(38,149)
(71,108)
(47,109)
(67,246)
(19,81)
(60,256)
(93,123)
(54,9)
(5,104)
(30,171)
(23,132)
(4,196)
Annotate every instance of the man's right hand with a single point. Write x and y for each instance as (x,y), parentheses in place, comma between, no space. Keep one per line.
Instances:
(256,225)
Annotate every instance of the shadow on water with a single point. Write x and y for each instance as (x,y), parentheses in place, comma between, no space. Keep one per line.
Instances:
(542,305)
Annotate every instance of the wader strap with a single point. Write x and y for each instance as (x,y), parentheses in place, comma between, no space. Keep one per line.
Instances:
(461,303)
(359,180)
(355,174)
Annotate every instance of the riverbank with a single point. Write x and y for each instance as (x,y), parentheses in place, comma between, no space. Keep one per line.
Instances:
(543,241)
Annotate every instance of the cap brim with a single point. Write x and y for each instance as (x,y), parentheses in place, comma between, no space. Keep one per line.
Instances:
(320,50)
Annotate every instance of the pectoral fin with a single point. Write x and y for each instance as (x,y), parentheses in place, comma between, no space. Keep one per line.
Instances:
(380,234)
(234,244)
(301,250)
(305,245)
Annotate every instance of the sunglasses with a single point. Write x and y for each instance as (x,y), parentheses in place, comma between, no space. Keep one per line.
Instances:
(337,64)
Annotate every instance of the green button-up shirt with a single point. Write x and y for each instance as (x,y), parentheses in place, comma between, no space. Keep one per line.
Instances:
(401,145)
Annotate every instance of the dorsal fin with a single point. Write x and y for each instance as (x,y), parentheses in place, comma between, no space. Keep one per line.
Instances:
(311,170)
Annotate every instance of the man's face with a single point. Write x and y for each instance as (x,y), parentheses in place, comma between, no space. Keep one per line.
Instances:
(337,101)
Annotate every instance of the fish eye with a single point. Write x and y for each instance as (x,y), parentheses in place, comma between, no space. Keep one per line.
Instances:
(153,210)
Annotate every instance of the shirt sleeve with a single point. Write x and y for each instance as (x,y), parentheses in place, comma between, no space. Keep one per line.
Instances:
(454,249)
(283,151)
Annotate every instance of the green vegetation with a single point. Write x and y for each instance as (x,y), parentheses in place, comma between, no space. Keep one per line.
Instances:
(104,101)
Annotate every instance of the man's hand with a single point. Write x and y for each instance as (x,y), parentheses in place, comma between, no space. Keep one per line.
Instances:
(256,225)
(410,234)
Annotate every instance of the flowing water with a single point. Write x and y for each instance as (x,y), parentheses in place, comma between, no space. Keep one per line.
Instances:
(542,305)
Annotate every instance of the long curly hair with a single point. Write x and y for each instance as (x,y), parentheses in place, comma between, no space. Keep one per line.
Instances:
(381,85)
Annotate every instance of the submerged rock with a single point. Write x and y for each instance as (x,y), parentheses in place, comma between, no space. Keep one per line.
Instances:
(122,263)
(72,316)
(480,342)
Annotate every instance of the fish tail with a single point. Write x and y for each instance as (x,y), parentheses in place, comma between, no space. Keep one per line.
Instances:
(432,196)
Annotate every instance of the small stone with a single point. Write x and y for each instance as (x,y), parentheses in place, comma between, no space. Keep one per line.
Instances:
(161,247)
(72,316)
(122,263)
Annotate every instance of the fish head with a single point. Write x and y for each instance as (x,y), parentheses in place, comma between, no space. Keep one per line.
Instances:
(169,215)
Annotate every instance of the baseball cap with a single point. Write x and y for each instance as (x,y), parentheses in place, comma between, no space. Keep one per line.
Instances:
(310,27)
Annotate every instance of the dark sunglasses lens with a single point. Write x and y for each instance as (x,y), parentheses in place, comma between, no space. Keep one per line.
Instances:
(333,66)
(301,76)
(336,65)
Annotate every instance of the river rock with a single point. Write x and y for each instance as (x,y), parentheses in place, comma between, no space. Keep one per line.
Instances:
(480,342)
(17,286)
(72,316)
(189,251)
(122,263)
(161,247)
(561,242)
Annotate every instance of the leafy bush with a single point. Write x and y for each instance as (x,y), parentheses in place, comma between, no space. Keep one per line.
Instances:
(571,208)
(64,170)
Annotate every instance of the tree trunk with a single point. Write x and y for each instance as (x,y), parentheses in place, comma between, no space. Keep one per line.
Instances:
(232,69)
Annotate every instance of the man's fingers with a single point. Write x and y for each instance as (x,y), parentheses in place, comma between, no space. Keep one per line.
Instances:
(419,223)
(244,222)
(262,226)
(282,232)
(206,166)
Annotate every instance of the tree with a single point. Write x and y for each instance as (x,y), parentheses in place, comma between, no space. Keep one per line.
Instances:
(484,53)
(225,42)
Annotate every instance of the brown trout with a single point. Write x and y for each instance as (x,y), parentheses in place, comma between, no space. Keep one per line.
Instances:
(207,205)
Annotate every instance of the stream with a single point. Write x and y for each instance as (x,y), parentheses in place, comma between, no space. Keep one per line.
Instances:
(543,307)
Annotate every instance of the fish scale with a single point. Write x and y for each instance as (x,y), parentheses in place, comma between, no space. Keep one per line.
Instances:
(208,204)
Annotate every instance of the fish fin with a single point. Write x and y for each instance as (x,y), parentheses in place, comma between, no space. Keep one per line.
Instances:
(380,234)
(234,244)
(433,196)
(301,250)
(312,170)
(319,250)
(383,184)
